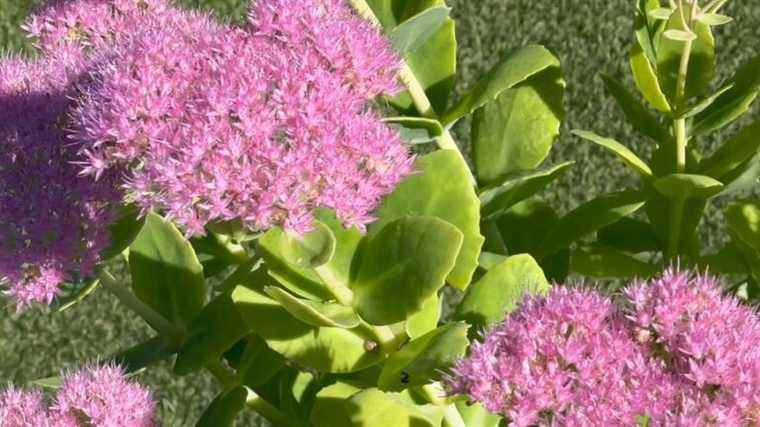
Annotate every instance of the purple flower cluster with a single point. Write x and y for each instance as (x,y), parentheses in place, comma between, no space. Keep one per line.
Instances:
(214,123)
(682,354)
(52,221)
(94,396)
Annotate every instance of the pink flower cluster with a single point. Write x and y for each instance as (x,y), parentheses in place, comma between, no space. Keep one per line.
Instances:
(681,355)
(214,123)
(95,396)
(52,221)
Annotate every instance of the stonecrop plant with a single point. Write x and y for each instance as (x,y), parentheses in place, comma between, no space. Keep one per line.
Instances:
(295,217)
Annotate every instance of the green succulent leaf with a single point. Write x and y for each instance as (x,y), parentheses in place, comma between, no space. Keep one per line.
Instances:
(413,33)
(661,13)
(424,359)
(490,260)
(515,131)
(733,103)
(498,199)
(406,262)
(641,119)
(744,221)
(733,153)
(373,407)
(604,263)
(514,69)
(334,350)
(440,189)
(500,290)
(224,409)
(475,415)
(670,49)
(646,27)
(416,130)
(330,407)
(259,363)
(71,294)
(714,19)
(630,235)
(705,103)
(728,260)
(684,186)
(743,178)
(315,313)
(337,271)
(217,328)
(426,320)
(166,273)
(123,231)
(526,225)
(629,157)
(646,79)
(434,62)
(590,217)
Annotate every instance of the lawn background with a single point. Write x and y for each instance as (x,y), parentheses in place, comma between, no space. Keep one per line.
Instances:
(589,36)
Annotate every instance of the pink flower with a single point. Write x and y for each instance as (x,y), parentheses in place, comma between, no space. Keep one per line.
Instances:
(214,123)
(103,397)
(52,220)
(22,409)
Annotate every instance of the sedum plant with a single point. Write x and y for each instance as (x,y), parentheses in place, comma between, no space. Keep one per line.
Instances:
(673,61)
(294,214)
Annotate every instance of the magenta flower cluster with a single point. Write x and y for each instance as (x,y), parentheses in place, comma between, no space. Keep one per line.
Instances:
(95,396)
(52,221)
(211,122)
(676,353)
(144,102)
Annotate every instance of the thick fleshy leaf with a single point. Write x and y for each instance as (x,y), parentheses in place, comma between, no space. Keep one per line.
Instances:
(705,103)
(426,320)
(217,328)
(281,252)
(372,407)
(413,33)
(643,56)
(683,186)
(424,359)
(71,294)
(337,271)
(646,26)
(516,130)
(498,199)
(123,231)
(526,225)
(603,263)
(744,221)
(732,104)
(416,130)
(406,262)
(475,415)
(630,235)
(728,260)
(315,313)
(490,260)
(500,290)
(434,62)
(733,153)
(629,157)
(166,273)
(590,217)
(259,363)
(670,50)
(334,350)
(512,70)
(745,177)
(641,119)
(330,408)
(224,408)
(441,189)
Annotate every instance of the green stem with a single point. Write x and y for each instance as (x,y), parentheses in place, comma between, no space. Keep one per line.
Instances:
(416,90)
(681,143)
(222,374)
(674,238)
(267,410)
(129,299)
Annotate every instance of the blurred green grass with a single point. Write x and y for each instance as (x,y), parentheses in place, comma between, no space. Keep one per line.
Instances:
(589,36)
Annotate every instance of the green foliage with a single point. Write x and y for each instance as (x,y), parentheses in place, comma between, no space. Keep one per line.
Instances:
(166,273)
